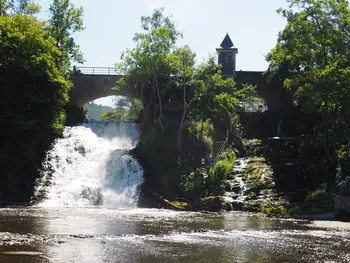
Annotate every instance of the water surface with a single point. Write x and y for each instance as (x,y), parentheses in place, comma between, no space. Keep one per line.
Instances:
(149,235)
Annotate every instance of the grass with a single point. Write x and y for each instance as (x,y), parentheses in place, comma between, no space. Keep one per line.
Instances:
(276,209)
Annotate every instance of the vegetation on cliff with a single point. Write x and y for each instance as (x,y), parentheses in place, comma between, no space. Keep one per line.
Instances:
(185,108)
(34,79)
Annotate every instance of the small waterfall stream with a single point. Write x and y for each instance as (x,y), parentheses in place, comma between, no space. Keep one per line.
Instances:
(237,187)
(278,132)
(90,166)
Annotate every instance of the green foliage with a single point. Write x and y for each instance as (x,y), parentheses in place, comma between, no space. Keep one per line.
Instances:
(271,209)
(343,156)
(204,182)
(126,109)
(66,20)
(217,99)
(312,56)
(316,202)
(94,111)
(32,79)
(33,95)
(204,132)
(24,7)
(317,195)
(194,185)
(223,167)
(151,63)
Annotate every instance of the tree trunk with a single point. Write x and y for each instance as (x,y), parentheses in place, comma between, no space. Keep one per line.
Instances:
(179,139)
(143,105)
(160,106)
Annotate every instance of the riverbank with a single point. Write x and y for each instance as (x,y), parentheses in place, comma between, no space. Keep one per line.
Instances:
(253,187)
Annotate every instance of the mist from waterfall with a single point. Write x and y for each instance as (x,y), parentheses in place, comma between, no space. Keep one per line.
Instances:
(91,166)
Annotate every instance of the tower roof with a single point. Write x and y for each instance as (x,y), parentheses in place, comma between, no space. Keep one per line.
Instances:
(227,42)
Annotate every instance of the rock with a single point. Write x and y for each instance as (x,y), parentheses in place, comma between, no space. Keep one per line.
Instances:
(210,203)
(237,205)
(232,186)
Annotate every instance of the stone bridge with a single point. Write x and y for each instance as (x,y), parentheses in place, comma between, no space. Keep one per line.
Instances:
(91,83)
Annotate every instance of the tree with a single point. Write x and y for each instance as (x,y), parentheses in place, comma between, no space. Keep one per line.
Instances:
(33,95)
(184,60)
(126,109)
(148,66)
(24,7)
(314,50)
(27,7)
(5,6)
(217,99)
(66,20)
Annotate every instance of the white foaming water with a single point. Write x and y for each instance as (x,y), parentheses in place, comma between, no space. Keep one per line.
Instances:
(90,166)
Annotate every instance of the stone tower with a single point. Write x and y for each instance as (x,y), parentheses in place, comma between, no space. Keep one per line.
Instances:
(227,57)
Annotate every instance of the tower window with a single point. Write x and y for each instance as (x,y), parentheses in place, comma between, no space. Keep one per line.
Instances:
(229,58)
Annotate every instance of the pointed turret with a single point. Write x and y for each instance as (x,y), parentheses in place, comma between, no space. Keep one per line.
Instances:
(227,56)
(227,42)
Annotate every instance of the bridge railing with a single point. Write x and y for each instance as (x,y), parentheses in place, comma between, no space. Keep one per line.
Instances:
(96,70)
(221,150)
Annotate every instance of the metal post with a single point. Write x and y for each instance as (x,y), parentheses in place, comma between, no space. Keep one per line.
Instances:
(93,71)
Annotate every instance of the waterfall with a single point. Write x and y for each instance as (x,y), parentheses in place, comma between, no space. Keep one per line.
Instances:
(90,166)
(279,128)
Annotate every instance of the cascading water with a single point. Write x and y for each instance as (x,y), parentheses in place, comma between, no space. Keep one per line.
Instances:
(90,166)
(278,132)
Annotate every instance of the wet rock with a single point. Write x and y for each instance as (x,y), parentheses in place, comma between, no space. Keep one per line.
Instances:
(210,203)
(232,186)
(237,205)
(80,149)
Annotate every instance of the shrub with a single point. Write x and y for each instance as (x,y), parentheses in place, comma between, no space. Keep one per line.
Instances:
(203,181)
(203,131)
(343,155)
(194,185)
(223,168)
(273,209)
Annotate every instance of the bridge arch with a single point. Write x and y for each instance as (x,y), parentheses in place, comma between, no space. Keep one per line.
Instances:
(94,83)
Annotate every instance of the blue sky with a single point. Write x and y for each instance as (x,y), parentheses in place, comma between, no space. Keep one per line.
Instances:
(110,25)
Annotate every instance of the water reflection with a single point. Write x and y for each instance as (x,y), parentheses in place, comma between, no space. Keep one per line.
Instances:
(147,236)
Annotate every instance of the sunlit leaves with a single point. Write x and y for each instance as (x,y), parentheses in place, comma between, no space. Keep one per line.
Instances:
(312,58)
(32,86)
(24,7)
(66,20)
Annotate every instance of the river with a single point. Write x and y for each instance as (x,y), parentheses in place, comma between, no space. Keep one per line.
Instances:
(64,235)
(86,211)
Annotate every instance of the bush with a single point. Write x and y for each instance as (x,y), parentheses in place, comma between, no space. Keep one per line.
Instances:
(223,168)
(317,195)
(343,155)
(204,132)
(203,182)
(316,202)
(273,209)
(194,185)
